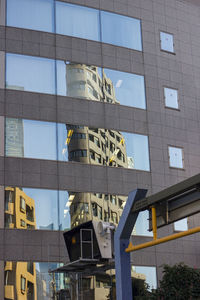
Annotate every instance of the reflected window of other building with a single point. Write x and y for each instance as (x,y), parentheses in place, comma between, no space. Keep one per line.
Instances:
(30,73)
(147,274)
(175,157)
(171,98)
(31,14)
(167,42)
(22,204)
(78,21)
(23,285)
(121,30)
(142,224)
(181,225)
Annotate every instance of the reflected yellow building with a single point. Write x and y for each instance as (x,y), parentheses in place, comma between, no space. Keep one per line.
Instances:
(20,277)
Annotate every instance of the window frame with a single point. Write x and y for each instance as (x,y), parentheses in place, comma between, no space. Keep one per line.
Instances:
(183,162)
(164,50)
(178,98)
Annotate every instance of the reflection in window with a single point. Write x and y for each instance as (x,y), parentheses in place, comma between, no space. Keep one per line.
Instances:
(27,280)
(175,157)
(142,224)
(181,225)
(121,30)
(148,274)
(167,42)
(31,14)
(42,209)
(171,98)
(58,210)
(75,20)
(45,140)
(36,74)
(78,21)
(30,73)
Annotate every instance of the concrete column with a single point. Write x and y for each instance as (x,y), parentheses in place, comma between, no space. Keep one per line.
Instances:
(3,12)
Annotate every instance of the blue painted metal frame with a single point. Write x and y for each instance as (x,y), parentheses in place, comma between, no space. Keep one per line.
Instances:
(121,242)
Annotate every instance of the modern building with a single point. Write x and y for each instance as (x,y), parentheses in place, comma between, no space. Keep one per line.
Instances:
(97,98)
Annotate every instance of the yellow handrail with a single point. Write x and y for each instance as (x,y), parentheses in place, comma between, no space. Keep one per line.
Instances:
(165,239)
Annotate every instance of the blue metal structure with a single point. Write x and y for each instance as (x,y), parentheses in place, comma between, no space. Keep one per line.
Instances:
(121,242)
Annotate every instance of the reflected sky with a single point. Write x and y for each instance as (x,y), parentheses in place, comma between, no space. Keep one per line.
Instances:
(75,20)
(31,14)
(48,140)
(44,75)
(150,274)
(121,30)
(142,224)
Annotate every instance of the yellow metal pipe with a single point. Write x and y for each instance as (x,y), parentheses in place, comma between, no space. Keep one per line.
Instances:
(154,222)
(162,240)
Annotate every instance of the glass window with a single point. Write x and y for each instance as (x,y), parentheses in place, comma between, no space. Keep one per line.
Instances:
(33,139)
(115,86)
(142,224)
(31,14)
(128,89)
(46,140)
(167,42)
(137,151)
(41,284)
(181,225)
(35,74)
(175,157)
(77,21)
(121,31)
(148,274)
(30,73)
(42,209)
(171,98)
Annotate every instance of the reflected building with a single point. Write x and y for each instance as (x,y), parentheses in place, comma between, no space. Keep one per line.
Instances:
(89,82)
(20,277)
(94,145)
(15,137)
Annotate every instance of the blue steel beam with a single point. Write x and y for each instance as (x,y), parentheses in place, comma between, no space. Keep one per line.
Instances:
(121,242)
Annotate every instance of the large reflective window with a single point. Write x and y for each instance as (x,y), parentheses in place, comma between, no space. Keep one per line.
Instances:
(121,30)
(77,21)
(142,224)
(146,274)
(91,82)
(65,142)
(27,208)
(31,139)
(32,281)
(31,14)
(137,151)
(30,73)
(31,208)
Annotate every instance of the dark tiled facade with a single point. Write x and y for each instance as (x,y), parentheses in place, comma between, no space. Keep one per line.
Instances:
(164,126)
